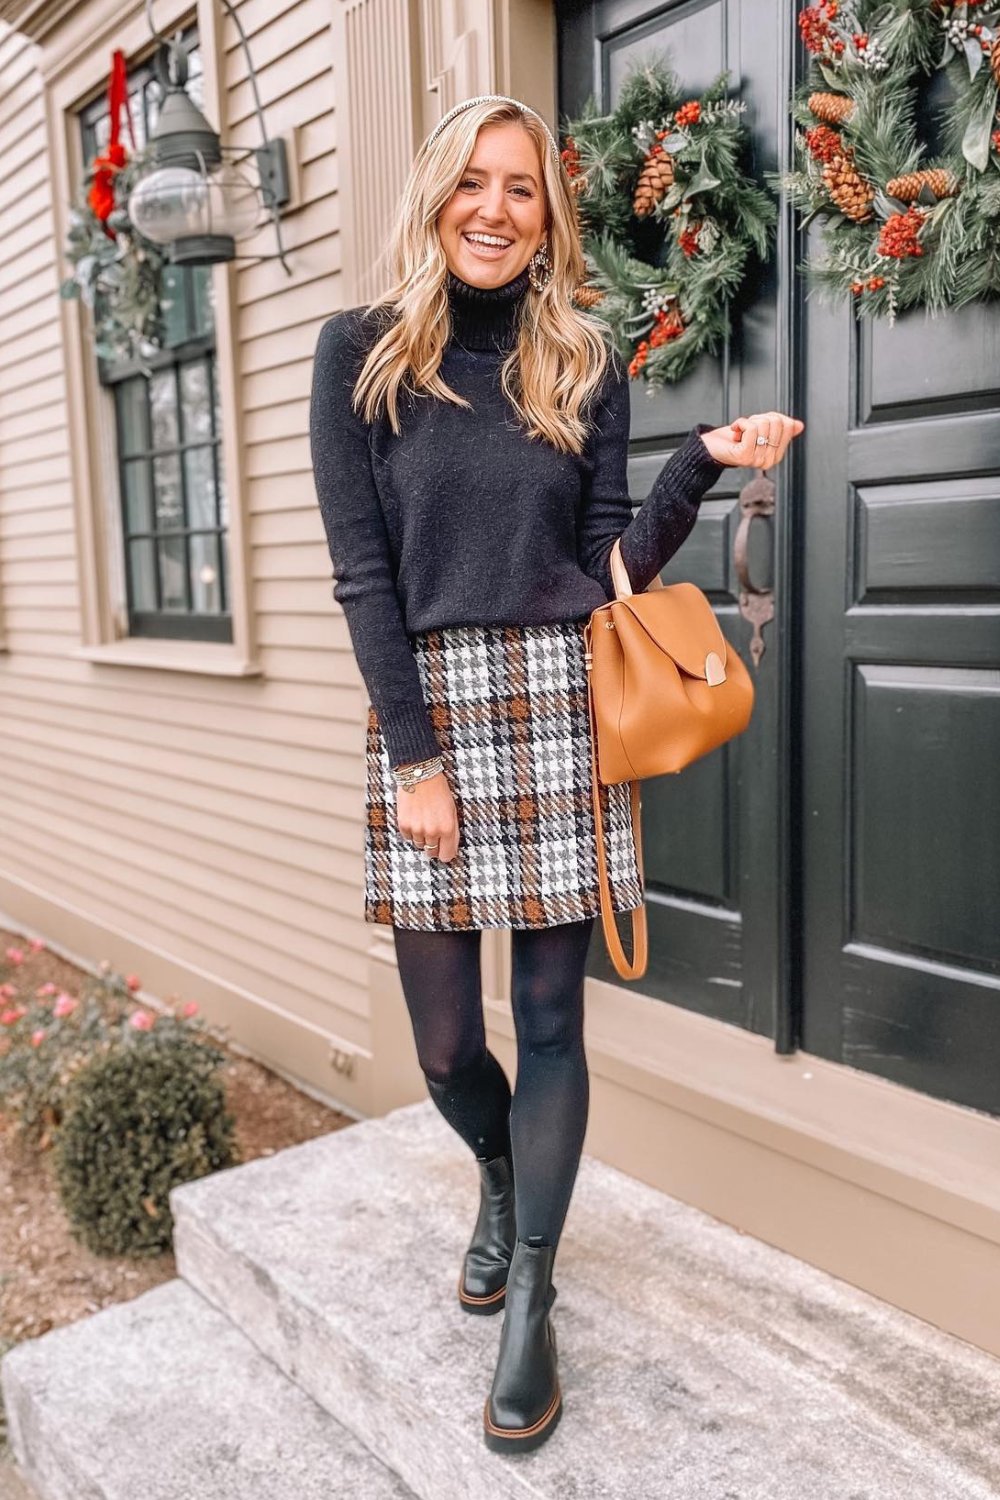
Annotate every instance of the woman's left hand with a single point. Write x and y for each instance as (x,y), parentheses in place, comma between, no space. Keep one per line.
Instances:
(737,445)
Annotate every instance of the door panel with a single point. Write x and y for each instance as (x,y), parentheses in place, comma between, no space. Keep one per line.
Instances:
(901,699)
(712,835)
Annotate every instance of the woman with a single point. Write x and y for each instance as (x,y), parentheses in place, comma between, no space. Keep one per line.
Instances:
(469,435)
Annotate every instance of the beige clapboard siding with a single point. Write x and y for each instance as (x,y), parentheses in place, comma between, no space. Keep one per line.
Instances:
(287,984)
(217,819)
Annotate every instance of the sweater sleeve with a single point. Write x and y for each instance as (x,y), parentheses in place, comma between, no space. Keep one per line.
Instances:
(650,538)
(364,581)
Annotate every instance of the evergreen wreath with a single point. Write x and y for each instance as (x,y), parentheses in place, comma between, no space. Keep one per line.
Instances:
(668,214)
(116,271)
(902,228)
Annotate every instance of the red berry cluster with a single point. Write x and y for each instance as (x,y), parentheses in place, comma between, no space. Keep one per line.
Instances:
(667,326)
(823,143)
(688,241)
(995,138)
(571,157)
(872,284)
(985,44)
(899,236)
(689,113)
(814,27)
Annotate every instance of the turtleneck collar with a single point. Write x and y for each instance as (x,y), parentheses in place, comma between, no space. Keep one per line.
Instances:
(485,317)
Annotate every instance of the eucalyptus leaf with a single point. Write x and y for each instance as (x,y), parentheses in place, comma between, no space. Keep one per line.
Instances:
(831,77)
(675,142)
(927,196)
(885,206)
(703,182)
(976,140)
(974,54)
(947,53)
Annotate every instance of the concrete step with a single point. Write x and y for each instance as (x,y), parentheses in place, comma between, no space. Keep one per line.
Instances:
(162,1398)
(696,1363)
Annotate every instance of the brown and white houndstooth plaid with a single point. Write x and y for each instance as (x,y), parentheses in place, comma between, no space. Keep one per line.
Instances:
(509,708)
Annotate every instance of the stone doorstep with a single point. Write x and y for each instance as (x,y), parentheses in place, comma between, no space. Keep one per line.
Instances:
(696,1363)
(162,1398)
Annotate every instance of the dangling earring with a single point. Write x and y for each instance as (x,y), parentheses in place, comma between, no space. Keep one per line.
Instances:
(540,268)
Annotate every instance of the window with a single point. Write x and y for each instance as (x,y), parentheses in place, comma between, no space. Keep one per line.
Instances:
(174,518)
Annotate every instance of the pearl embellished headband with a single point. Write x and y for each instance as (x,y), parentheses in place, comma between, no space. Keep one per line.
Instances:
(495,99)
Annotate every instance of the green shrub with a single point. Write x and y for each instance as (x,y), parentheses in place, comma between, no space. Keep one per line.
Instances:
(138,1119)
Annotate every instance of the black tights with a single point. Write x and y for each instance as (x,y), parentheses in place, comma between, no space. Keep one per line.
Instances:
(542,1127)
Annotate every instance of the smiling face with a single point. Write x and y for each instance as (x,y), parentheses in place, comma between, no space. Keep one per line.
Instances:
(494,221)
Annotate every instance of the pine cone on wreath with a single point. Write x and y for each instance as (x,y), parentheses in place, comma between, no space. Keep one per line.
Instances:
(995,60)
(943,184)
(832,109)
(848,189)
(656,177)
(587,296)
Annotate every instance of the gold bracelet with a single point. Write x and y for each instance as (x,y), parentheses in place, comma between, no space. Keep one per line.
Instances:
(408,776)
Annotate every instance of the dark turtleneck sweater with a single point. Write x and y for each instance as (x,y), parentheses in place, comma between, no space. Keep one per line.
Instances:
(462,518)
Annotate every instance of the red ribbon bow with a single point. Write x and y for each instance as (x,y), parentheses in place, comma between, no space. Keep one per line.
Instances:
(101,196)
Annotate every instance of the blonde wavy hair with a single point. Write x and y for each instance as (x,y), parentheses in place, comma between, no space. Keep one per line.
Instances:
(561,353)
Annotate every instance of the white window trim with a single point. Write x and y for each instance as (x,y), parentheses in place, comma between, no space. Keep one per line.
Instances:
(71,77)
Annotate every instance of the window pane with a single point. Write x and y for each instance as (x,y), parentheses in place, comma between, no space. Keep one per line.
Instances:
(138,120)
(174,304)
(195,409)
(220,477)
(151,104)
(199,476)
(163,409)
(169,501)
(173,567)
(138,497)
(132,415)
(142,575)
(224,559)
(102,132)
(202,301)
(206,586)
(195,83)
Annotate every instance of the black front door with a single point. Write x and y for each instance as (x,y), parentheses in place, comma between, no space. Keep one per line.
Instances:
(832,877)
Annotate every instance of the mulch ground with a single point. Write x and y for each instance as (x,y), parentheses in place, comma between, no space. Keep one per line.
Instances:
(47,1278)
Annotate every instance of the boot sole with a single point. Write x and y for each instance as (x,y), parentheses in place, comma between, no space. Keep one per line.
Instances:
(492,1303)
(521,1439)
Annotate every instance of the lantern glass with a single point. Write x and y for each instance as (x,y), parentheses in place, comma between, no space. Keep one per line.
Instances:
(176,203)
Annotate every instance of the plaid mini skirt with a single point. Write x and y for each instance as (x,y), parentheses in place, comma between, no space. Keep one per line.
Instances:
(509,708)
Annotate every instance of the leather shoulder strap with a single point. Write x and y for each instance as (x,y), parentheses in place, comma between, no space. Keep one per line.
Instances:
(640,940)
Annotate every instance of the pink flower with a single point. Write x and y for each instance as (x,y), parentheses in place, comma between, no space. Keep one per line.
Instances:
(65,1005)
(189,1009)
(134,982)
(46,989)
(8,1017)
(141,1020)
(14,955)
(36,945)
(7,992)
(37,1037)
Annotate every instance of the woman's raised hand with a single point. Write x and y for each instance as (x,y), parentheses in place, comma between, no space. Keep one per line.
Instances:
(737,444)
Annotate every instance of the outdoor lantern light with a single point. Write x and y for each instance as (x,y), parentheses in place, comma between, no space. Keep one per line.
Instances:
(198,200)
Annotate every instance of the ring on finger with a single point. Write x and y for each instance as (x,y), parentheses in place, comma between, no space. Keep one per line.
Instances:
(763,439)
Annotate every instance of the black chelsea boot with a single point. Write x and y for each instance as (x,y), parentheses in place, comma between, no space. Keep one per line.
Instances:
(482,1287)
(525,1401)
